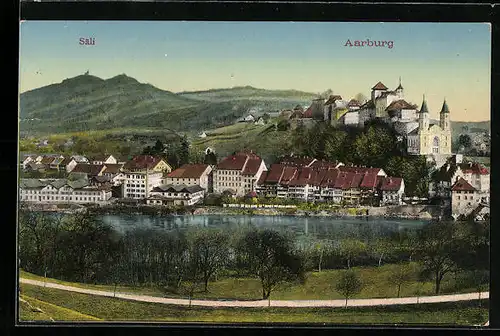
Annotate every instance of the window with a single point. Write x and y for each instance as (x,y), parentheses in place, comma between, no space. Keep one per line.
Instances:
(435,145)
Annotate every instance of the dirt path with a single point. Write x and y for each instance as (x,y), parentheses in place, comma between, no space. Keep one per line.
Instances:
(265,303)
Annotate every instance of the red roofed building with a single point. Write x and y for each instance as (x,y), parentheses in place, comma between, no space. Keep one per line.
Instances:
(392,189)
(142,163)
(477,175)
(191,175)
(464,198)
(239,172)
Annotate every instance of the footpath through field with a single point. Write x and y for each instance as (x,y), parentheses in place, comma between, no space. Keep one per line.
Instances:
(265,303)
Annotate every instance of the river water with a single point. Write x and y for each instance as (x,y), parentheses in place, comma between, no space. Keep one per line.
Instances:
(305,227)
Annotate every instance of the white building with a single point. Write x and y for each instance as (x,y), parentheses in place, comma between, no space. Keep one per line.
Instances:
(392,189)
(465,198)
(190,175)
(62,191)
(238,173)
(176,195)
(138,185)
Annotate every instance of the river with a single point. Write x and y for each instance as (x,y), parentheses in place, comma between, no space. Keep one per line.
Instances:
(305,227)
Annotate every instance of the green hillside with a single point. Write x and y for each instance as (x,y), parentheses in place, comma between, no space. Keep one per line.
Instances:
(87,102)
(265,140)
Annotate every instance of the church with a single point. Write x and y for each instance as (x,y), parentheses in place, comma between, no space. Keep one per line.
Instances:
(429,138)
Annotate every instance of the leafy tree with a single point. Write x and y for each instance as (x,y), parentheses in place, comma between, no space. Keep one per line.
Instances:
(266,117)
(436,248)
(283,125)
(210,249)
(401,274)
(158,148)
(269,255)
(349,284)
(335,145)
(350,249)
(210,158)
(465,141)
(184,151)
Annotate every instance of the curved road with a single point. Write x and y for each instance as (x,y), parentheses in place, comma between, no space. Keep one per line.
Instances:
(266,303)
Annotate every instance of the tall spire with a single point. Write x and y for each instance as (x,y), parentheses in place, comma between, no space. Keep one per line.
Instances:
(400,87)
(445,108)
(424,109)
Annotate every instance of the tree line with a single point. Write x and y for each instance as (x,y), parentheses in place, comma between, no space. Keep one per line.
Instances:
(81,248)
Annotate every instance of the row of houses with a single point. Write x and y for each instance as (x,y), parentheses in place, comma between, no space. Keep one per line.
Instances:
(311,180)
(59,162)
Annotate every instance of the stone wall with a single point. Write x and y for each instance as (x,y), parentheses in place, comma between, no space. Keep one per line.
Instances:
(411,210)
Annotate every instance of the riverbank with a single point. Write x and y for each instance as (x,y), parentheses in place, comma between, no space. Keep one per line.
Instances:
(420,212)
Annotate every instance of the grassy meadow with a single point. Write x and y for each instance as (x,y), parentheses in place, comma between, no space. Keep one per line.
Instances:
(60,305)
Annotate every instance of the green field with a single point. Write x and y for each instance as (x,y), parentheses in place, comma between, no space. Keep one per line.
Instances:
(319,286)
(264,140)
(111,309)
(32,309)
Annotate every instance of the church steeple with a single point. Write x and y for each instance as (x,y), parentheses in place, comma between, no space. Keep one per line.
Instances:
(444,117)
(445,108)
(423,108)
(423,116)
(399,89)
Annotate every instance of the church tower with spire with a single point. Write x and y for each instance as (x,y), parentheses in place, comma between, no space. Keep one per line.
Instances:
(444,117)
(423,117)
(399,90)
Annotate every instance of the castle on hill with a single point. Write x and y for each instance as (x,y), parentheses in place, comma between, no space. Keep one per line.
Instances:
(413,125)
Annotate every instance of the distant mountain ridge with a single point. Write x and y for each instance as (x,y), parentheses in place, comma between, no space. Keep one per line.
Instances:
(89,102)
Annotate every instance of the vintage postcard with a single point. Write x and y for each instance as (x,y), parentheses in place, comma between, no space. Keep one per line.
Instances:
(237,172)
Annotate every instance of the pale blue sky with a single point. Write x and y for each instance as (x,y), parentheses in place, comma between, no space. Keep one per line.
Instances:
(439,60)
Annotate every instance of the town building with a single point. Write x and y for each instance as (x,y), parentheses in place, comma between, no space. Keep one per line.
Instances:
(104,159)
(190,175)
(141,175)
(392,189)
(465,198)
(182,195)
(238,173)
(89,169)
(138,184)
(147,162)
(62,191)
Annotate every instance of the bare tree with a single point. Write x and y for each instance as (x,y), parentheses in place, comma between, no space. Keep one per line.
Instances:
(270,256)
(401,274)
(211,249)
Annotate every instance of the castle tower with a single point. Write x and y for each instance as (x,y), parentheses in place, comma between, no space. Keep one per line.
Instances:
(378,89)
(423,117)
(444,117)
(399,90)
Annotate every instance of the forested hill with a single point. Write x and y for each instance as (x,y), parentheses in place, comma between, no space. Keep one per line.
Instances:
(87,102)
